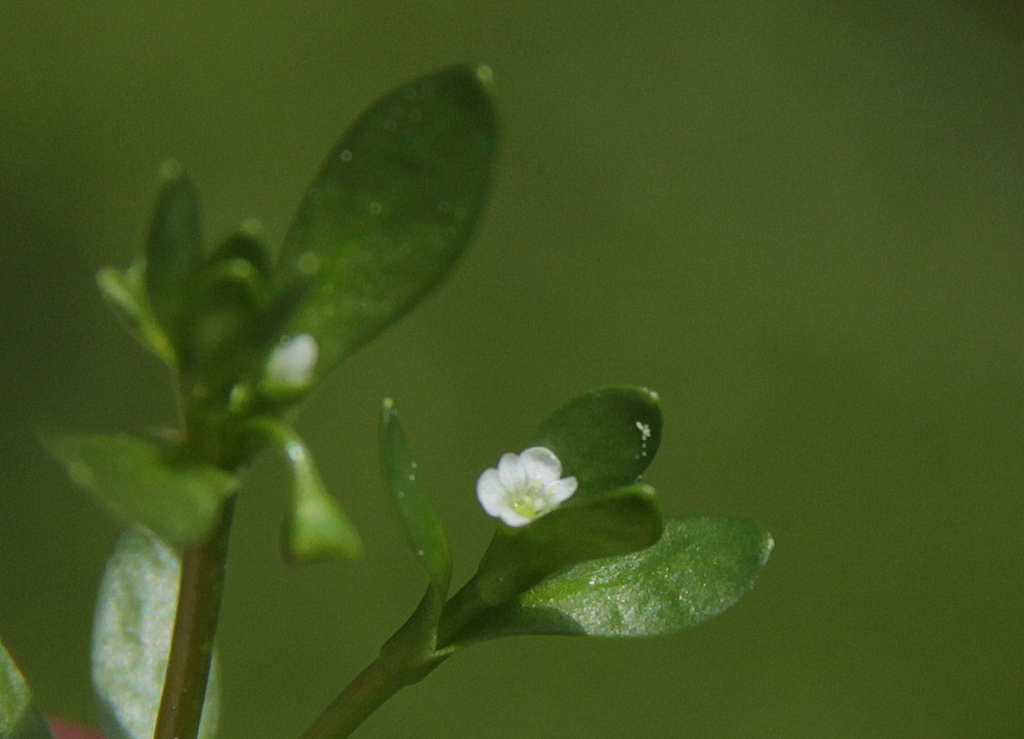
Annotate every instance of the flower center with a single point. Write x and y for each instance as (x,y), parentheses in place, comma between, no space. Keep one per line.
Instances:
(530,500)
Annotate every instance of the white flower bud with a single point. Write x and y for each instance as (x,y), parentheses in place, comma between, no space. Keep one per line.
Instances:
(291,363)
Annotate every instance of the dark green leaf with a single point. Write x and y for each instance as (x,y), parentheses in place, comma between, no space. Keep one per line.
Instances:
(131,637)
(180,502)
(217,336)
(605,438)
(392,208)
(623,521)
(19,717)
(175,248)
(248,245)
(700,567)
(422,528)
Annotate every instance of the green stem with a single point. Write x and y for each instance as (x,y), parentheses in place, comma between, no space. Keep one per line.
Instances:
(406,658)
(195,624)
(364,695)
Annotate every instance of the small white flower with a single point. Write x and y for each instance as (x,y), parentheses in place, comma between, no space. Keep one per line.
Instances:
(291,363)
(524,486)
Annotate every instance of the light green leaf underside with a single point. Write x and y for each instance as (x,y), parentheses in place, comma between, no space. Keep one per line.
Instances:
(19,717)
(132,636)
(317,528)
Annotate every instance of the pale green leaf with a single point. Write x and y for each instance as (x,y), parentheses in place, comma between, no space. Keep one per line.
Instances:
(19,717)
(123,291)
(132,635)
(316,527)
(139,482)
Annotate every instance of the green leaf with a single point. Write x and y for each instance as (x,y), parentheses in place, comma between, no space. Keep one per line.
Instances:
(174,250)
(605,438)
(139,482)
(217,336)
(19,717)
(422,527)
(316,527)
(246,244)
(131,638)
(623,521)
(124,293)
(392,208)
(699,568)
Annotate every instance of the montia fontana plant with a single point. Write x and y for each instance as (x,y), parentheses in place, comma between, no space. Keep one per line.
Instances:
(580,547)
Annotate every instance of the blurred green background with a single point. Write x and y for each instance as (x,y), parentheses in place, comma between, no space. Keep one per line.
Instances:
(801,222)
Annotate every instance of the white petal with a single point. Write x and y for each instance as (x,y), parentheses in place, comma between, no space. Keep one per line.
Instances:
(491,493)
(511,471)
(541,464)
(511,518)
(561,490)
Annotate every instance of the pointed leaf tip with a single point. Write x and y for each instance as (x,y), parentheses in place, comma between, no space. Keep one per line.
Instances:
(174,250)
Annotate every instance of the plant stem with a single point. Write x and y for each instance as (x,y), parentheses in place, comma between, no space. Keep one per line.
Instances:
(195,624)
(364,695)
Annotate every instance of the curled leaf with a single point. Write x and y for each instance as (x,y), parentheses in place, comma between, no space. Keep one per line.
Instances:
(316,527)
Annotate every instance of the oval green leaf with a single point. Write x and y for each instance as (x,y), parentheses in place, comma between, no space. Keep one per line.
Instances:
(174,250)
(131,638)
(606,438)
(623,521)
(392,208)
(699,568)
(422,528)
(19,717)
(135,478)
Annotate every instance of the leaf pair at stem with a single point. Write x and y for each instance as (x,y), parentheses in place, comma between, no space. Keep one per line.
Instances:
(604,563)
